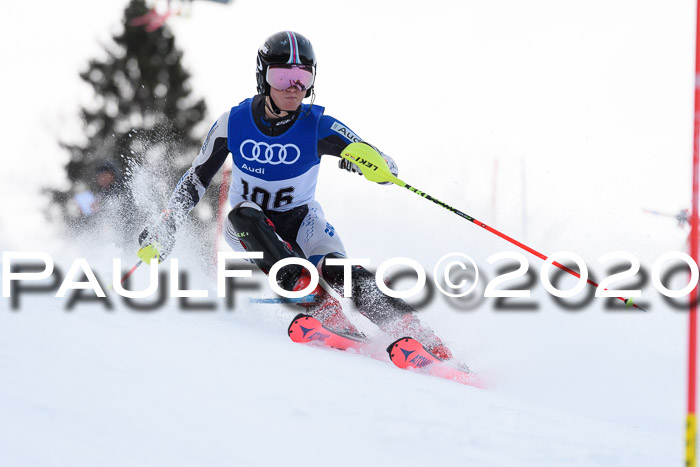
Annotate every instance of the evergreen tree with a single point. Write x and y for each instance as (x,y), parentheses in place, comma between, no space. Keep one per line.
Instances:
(143,111)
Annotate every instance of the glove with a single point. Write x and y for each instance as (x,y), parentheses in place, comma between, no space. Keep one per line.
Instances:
(349,166)
(159,240)
(345,164)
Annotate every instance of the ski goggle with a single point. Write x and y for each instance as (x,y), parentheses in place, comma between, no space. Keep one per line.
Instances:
(283,77)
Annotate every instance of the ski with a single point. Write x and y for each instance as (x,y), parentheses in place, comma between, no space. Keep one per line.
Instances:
(307,329)
(408,353)
(303,300)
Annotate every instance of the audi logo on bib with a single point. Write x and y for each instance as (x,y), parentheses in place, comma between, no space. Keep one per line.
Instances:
(273,154)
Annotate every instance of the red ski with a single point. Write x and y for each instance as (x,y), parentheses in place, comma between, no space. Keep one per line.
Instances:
(408,353)
(307,329)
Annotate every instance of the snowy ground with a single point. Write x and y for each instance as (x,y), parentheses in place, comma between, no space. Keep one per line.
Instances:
(556,124)
(92,386)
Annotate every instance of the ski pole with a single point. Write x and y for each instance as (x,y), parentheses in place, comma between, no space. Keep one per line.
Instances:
(131,271)
(375,169)
(145,254)
(126,276)
(683,217)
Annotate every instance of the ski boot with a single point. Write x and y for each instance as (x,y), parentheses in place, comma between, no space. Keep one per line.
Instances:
(408,325)
(326,308)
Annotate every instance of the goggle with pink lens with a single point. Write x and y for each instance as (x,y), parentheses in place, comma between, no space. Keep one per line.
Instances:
(283,77)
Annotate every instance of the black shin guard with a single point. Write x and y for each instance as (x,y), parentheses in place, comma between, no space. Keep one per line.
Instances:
(369,300)
(256,232)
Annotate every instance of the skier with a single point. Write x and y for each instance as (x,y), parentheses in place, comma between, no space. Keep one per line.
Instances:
(276,143)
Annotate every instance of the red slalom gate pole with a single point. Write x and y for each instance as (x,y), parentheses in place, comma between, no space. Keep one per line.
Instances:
(690,434)
(223,192)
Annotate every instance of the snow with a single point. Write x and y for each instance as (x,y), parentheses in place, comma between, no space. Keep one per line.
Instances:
(94,385)
(91,387)
(556,124)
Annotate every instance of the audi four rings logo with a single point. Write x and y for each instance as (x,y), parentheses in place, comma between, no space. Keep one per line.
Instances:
(273,154)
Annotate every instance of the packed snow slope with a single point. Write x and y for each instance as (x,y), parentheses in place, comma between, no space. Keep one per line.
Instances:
(553,123)
(96,388)
(96,385)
